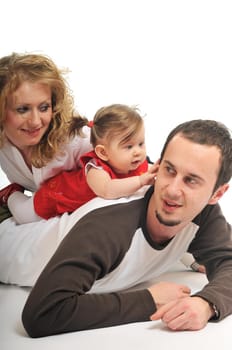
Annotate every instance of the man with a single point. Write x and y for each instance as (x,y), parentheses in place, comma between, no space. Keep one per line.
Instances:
(117,246)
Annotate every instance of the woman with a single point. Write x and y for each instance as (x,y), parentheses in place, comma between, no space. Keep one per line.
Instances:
(36,108)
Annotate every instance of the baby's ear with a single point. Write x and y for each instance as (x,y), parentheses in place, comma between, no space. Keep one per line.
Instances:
(218,194)
(101,152)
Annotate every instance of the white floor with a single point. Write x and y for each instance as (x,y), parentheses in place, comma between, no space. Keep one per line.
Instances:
(136,336)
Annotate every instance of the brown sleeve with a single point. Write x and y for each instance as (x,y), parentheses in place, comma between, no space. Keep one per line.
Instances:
(59,301)
(212,247)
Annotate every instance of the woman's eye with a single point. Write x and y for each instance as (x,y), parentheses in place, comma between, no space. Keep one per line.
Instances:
(22,110)
(44,108)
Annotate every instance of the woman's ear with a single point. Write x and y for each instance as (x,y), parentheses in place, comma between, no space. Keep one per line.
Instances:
(218,194)
(101,152)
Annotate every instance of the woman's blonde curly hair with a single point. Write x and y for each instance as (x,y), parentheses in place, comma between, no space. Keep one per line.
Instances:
(18,68)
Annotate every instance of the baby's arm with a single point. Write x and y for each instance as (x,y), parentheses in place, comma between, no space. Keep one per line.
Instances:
(104,186)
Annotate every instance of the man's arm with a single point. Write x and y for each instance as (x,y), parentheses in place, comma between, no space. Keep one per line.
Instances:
(60,302)
(213,247)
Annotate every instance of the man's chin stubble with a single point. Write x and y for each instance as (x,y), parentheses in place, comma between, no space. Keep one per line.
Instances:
(166,222)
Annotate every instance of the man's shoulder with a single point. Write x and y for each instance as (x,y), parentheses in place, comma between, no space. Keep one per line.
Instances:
(118,211)
(208,212)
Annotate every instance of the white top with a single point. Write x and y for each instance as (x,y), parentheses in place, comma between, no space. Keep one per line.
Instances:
(13,165)
(25,249)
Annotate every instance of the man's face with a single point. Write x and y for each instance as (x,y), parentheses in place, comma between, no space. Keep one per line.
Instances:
(185,181)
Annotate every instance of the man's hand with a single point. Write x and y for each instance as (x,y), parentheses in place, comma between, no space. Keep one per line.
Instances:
(189,313)
(164,292)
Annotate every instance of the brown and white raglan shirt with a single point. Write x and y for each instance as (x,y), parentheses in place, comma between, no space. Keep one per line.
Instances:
(108,251)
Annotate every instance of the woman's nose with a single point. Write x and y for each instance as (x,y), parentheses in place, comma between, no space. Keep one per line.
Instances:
(34,117)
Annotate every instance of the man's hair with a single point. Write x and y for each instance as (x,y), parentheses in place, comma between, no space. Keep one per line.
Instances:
(211,133)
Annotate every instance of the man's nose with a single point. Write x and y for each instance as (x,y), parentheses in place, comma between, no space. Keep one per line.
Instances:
(175,186)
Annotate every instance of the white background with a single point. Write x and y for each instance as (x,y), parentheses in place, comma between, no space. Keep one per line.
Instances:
(172,58)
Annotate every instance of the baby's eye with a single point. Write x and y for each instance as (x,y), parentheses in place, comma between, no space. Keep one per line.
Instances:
(129,146)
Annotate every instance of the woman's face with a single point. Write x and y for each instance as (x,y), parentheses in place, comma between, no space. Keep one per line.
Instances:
(28,114)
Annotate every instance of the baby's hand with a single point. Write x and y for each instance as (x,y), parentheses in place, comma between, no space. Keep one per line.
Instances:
(153,168)
(148,178)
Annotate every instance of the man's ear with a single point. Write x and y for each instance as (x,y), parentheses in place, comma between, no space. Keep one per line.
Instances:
(101,152)
(218,194)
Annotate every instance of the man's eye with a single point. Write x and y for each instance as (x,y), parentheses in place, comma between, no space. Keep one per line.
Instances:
(170,170)
(22,110)
(190,181)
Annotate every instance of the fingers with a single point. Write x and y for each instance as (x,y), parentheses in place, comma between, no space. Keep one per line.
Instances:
(161,311)
(154,168)
(179,322)
(159,314)
(190,313)
(202,269)
(186,290)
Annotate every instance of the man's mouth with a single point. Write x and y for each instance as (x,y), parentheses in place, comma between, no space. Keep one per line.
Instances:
(170,205)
